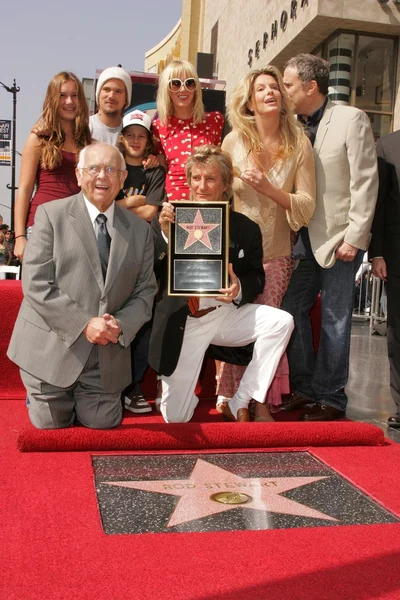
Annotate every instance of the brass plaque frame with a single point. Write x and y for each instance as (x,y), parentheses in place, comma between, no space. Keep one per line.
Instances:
(198,253)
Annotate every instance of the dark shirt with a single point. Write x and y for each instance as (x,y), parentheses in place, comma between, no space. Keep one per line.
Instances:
(145,182)
(302,248)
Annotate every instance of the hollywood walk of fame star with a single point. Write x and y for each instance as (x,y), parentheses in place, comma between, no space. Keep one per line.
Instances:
(206,479)
(198,231)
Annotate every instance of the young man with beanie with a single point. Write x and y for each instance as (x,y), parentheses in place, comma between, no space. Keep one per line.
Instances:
(113,96)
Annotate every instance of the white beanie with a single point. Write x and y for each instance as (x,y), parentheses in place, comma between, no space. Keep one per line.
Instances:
(115,73)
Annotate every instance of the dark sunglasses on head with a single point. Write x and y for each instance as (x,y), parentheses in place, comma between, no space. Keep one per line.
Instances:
(176,84)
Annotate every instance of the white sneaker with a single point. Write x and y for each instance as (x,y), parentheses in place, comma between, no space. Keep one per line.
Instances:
(137,404)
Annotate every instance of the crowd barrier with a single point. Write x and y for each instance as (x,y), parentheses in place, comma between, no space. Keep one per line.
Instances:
(370,299)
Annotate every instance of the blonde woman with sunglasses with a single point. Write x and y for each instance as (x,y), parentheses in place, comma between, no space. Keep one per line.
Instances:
(182,124)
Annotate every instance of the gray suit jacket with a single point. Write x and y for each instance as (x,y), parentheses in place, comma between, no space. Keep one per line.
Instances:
(64,288)
(347,182)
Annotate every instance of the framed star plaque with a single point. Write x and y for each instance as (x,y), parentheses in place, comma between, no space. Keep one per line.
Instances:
(198,249)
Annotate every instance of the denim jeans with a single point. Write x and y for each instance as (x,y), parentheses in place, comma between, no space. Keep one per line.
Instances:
(321,377)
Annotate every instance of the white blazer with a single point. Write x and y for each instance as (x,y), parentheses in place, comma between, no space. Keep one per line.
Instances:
(347,182)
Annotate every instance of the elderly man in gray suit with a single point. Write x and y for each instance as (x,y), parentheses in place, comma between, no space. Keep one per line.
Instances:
(330,251)
(88,288)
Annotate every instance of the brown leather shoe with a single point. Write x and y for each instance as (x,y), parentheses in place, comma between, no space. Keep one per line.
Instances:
(322,412)
(243,415)
(295,402)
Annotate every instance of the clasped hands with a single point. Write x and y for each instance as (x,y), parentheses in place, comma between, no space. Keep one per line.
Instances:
(103,330)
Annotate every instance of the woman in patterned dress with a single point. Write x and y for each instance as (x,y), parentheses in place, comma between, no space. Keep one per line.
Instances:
(182,123)
(276,189)
(181,126)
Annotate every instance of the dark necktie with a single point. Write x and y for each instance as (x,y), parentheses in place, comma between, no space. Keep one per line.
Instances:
(193,304)
(103,242)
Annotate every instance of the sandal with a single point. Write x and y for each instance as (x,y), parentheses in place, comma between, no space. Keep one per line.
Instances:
(242,414)
(222,403)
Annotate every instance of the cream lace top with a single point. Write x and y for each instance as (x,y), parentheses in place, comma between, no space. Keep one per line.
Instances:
(295,175)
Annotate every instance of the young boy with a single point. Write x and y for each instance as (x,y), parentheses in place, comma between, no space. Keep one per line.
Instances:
(143,193)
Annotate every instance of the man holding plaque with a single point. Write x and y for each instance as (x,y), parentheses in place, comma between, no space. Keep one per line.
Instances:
(184,327)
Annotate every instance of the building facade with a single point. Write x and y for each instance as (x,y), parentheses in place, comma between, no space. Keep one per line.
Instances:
(360,38)
(184,41)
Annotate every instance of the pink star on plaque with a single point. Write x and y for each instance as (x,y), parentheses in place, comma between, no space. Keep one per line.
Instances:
(196,493)
(198,231)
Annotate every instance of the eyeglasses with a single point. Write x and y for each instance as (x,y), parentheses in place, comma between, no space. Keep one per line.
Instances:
(95,170)
(176,84)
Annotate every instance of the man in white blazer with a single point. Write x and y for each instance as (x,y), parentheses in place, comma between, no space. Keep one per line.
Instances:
(330,251)
(88,286)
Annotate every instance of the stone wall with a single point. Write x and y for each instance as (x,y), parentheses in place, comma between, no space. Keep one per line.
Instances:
(254,33)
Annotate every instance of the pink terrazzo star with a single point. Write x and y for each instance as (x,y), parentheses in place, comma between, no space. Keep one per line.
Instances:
(207,479)
(198,231)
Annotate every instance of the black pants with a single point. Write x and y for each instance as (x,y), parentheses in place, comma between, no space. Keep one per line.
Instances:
(393,336)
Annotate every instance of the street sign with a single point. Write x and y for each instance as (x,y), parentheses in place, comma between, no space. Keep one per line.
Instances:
(5,143)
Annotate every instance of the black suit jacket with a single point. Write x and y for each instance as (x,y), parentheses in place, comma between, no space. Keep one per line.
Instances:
(171,312)
(386,225)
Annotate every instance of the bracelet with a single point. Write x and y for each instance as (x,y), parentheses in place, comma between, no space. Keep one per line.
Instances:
(22,235)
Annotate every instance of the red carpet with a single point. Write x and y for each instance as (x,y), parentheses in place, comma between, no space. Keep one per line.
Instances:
(202,436)
(10,300)
(53,546)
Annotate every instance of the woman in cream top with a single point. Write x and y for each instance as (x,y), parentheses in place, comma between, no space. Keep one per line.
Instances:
(276,189)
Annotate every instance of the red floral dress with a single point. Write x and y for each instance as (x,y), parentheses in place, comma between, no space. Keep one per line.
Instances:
(176,141)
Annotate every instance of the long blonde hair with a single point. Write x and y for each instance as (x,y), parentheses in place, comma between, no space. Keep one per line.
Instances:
(243,121)
(48,128)
(181,69)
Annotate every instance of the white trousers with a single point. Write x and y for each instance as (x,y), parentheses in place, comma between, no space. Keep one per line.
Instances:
(270,328)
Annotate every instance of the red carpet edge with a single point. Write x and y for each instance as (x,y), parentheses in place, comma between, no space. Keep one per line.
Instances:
(193,436)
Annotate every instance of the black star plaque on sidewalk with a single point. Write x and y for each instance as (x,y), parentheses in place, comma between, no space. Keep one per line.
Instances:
(192,493)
